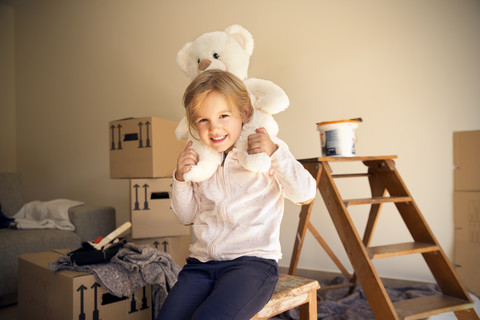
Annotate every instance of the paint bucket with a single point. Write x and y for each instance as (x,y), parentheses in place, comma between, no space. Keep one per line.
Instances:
(338,138)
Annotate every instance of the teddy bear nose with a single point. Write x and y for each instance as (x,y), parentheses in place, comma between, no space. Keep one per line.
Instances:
(203,65)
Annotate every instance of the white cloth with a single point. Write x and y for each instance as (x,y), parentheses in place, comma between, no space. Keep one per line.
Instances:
(46,215)
(238,212)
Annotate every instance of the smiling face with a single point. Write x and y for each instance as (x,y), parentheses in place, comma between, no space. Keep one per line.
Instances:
(217,104)
(218,124)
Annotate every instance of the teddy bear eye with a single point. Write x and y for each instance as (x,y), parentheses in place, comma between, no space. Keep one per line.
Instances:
(198,61)
(216,55)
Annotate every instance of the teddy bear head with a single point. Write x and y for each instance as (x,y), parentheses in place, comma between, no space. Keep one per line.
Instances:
(228,50)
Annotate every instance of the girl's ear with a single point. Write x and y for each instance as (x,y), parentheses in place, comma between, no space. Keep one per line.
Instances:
(246,114)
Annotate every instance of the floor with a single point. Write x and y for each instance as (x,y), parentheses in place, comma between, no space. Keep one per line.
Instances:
(10,312)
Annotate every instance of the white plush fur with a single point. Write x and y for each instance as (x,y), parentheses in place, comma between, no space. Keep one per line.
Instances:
(230,50)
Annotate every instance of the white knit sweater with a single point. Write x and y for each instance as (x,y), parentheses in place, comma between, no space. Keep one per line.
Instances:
(238,212)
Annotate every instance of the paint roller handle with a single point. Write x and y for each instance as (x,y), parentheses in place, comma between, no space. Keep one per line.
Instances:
(112,235)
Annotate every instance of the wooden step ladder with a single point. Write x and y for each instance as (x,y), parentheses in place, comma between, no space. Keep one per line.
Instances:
(386,186)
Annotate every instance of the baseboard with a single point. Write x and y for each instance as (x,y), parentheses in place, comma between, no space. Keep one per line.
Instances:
(312,274)
(328,275)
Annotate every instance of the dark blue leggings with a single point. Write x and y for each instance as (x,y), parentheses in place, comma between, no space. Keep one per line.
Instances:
(221,290)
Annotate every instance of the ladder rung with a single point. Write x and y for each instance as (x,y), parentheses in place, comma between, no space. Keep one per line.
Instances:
(423,307)
(350,175)
(375,200)
(336,286)
(400,249)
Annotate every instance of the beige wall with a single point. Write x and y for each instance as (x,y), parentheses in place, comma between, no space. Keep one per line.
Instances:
(409,68)
(8,153)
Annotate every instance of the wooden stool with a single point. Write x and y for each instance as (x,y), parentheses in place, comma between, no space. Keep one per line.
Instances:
(291,292)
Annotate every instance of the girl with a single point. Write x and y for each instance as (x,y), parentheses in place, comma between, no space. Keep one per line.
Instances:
(232,270)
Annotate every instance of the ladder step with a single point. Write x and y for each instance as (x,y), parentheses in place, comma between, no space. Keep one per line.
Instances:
(336,286)
(401,249)
(423,307)
(350,175)
(375,200)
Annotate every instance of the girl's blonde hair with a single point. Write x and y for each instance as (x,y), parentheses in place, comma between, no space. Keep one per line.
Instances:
(223,82)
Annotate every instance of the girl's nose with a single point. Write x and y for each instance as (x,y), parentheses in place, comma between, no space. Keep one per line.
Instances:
(214,125)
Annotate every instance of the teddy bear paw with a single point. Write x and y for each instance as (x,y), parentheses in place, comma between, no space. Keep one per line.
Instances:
(201,171)
(259,162)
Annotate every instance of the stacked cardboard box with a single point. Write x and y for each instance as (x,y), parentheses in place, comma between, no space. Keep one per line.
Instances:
(43,295)
(177,247)
(145,151)
(153,220)
(467,207)
(143,148)
(151,213)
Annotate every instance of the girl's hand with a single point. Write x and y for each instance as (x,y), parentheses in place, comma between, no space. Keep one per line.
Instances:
(187,158)
(261,142)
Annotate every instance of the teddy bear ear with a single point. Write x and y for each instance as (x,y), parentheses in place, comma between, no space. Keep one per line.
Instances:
(183,55)
(244,38)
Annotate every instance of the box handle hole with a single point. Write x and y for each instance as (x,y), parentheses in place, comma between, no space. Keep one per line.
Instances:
(159,195)
(130,137)
(108,298)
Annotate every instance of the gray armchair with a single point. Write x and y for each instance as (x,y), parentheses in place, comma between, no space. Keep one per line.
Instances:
(89,221)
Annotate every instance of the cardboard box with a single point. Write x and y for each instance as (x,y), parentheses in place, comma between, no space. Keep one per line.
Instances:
(43,295)
(151,212)
(467,259)
(466,156)
(143,148)
(466,148)
(467,216)
(176,247)
(467,238)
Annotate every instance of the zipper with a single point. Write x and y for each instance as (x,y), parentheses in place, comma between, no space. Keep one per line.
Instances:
(222,213)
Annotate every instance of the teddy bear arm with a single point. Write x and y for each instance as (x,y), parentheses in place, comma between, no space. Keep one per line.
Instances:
(268,96)
(209,160)
(259,162)
(260,119)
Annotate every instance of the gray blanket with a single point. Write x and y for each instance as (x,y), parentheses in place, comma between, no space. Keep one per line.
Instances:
(133,267)
(340,305)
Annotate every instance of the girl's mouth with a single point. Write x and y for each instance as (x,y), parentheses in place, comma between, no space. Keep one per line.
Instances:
(218,139)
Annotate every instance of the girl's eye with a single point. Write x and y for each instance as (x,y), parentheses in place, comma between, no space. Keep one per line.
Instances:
(224,116)
(216,55)
(202,120)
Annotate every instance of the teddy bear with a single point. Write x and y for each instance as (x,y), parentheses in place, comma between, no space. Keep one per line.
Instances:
(230,50)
